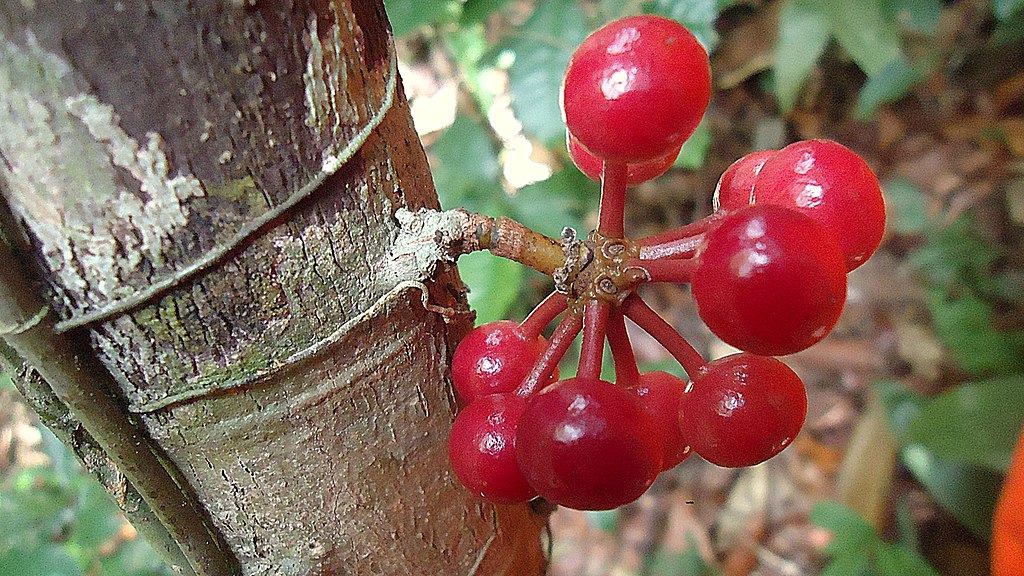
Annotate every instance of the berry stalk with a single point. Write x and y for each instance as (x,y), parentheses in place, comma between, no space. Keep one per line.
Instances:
(670,270)
(611,213)
(638,311)
(561,339)
(595,321)
(627,373)
(538,319)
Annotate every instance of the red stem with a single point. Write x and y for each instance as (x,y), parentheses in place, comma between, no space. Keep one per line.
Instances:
(561,339)
(535,322)
(638,311)
(611,214)
(677,249)
(684,232)
(666,270)
(595,322)
(627,373)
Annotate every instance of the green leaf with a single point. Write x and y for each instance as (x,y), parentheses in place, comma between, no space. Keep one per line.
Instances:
(476,11)
(407,16)
(48,560)
(695,149)
(892,82)
(851,534)
(697,15)
(956,256)
(688,563)
(562,200)
(1009,30)
(465,168)
(907,204)
(964,324)
(804,31)
(975,423)
(1004,9)
(920,16)
(895,560)
(968,492)
(902,406)
(863,30)
(849,565)
(493,284)
(542,47)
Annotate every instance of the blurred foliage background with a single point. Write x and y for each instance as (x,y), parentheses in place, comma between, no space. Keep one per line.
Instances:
(915,399)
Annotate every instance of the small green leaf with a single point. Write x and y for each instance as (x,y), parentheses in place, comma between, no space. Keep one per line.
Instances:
(851,534)
(47,560)
(968,492)
(695,149)
(465,168)
(688,563)
(562,200)
(902,406)
(892,82)
(542,47)
(863,30)
(920,16)
(804,31)
(975,423)
(964,324)
(895,560)
(493,284)
(1004,9)
(477,11)
(407,16)
(697,15)
(908,206)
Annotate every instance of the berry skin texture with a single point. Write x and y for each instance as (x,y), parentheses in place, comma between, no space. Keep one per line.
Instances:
(588,445)
(482,451)
(769,280)
(833,185)
(736,185)
(742,410)
(636,89)
(494,358)
(661,393)
(592,166)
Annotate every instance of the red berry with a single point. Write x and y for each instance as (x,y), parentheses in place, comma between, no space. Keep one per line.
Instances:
(743,409)
(833,185)
(769,280)
(587,444)
(660,393)
(482,449)
(592,166)
(736,185)
(494,358)
(636,89)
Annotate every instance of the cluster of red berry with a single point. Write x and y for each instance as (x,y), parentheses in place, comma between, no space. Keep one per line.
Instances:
(767,270)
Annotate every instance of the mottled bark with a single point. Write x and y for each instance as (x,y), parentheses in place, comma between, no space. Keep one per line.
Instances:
(206,193)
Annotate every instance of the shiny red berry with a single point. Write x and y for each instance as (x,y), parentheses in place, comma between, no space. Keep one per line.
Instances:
(482,450)
(636,89)
(592,166)
(494,358)
(832,184)
(588,445)
(769,280)
(661,393)
(743,409)
(736,185)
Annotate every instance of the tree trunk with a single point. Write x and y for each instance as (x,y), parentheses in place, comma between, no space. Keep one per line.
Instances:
(202,281)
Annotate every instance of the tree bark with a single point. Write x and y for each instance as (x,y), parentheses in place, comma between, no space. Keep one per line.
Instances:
(203,195)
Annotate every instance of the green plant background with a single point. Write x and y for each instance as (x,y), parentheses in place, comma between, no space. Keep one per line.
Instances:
(54,520)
